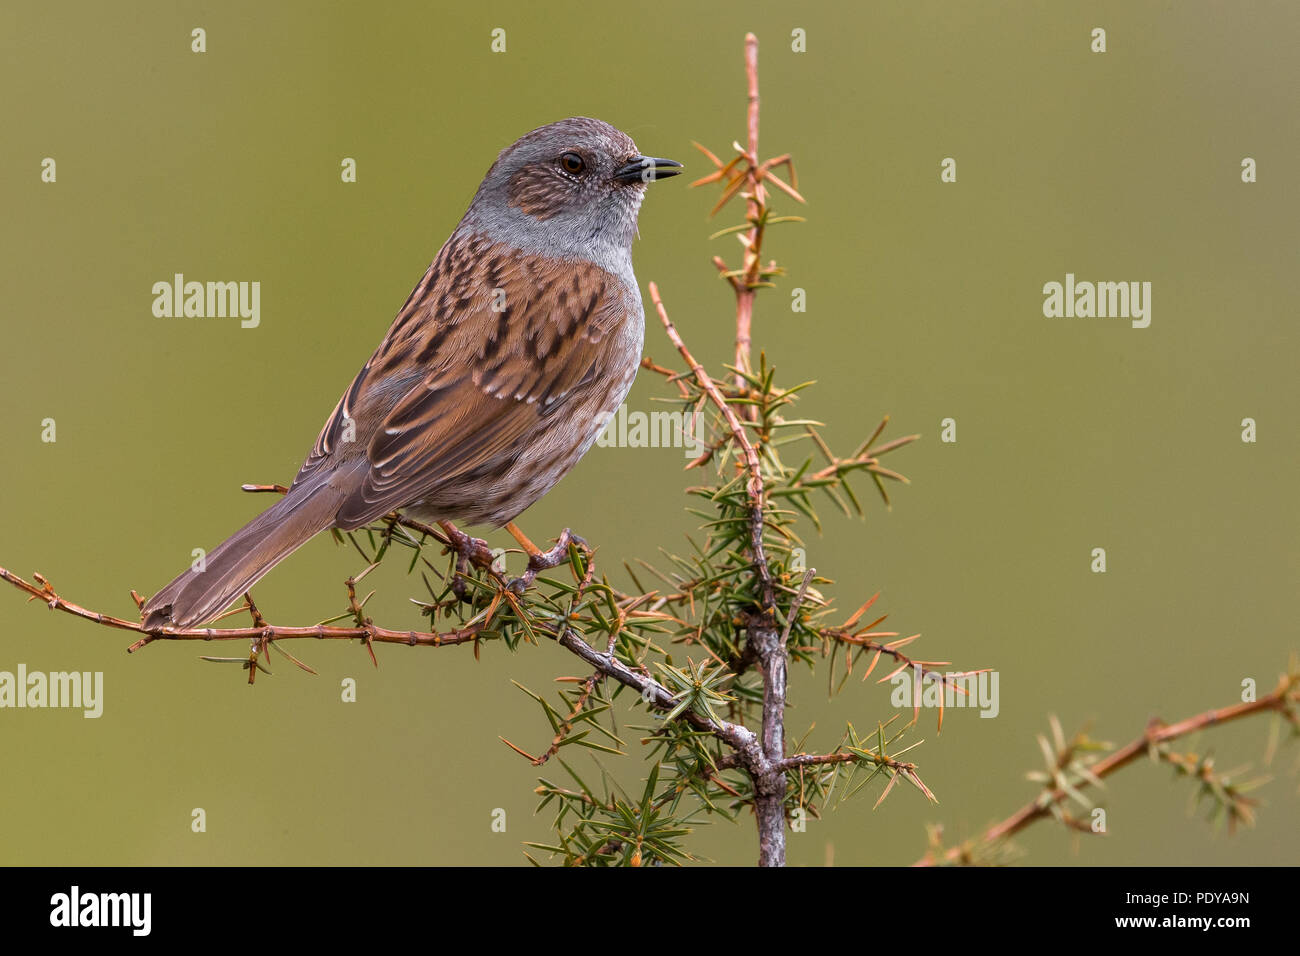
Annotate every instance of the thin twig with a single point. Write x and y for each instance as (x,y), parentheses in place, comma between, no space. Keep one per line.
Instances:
(1283,699)
(45,592)
(754,486)
(754,206)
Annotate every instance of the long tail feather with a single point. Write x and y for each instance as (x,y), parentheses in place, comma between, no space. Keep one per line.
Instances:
(241,560)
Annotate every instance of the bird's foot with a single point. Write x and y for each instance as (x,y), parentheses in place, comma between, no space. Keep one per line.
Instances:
(539,560)
(477,553)
(469,551)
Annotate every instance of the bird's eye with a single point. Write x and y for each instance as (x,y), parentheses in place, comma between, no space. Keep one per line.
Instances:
(572,163)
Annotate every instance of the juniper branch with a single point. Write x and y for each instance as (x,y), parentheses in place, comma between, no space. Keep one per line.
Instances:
(1283,700)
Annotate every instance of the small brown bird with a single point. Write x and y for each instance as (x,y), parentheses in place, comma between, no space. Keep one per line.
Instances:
(497,375)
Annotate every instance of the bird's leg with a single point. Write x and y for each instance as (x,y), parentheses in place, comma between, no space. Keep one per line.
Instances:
(468,550)
(539,560)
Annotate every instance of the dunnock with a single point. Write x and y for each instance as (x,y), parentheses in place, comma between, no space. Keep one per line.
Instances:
(496,376)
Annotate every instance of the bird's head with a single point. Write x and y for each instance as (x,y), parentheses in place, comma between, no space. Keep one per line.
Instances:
(574,184)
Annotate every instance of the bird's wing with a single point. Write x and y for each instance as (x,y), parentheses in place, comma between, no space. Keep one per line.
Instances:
(487,346)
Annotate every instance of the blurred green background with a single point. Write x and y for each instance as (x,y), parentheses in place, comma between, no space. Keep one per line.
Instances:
(924,302)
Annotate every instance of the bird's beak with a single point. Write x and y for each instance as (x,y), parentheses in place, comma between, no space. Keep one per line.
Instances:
(647,169)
